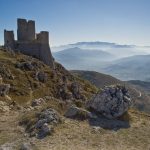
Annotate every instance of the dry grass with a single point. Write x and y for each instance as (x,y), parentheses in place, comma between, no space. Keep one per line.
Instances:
(70,134)
(25,87)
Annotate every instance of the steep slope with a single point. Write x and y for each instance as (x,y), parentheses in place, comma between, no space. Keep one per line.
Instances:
(141,97)
(30,78)
(22,73)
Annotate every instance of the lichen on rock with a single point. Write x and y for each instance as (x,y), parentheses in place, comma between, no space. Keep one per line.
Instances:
(112,102)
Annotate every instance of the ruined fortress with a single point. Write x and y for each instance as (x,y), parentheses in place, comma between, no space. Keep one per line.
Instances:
(29,42)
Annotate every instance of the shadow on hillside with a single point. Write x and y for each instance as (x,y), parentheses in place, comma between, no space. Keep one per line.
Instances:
(111,124)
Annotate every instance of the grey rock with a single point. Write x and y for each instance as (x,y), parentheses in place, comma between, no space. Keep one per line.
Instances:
(4,89)
(75,88)
(79,113)
(46,121)
(25,66)
(44,131)
(41,76)
(40,123)
(37,102)
(26,146)
(50,115)
(112,102)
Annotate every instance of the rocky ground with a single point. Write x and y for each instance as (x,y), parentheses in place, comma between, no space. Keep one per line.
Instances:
(44,109)
(75,134)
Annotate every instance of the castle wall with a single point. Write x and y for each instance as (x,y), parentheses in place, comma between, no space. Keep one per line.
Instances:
(29,48)
(9,39)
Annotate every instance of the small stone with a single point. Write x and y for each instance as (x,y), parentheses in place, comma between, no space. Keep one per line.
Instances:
(79,113)
(26,146)
(41,76)
(4,89)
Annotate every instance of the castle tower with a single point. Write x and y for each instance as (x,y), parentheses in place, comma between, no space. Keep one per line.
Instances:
(31,30)
(26,30)
(22,29)
(9,40)
(45,51)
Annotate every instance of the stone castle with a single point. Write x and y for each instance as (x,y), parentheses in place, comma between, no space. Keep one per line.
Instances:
(29,42)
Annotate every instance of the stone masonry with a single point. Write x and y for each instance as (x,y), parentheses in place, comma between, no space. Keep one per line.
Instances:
(30,43)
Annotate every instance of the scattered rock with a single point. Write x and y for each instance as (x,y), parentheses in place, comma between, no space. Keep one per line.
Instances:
(41,76)
(75,88)
(26,146)
(1,79)
(7,146)
(50,115)
(25,66)
(4,89)
(5,72)
(46,120)
(64,93)
(37,102)
(112,102)
(44,131)
(78,113)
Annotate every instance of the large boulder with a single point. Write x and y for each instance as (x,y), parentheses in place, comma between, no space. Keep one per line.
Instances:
(111,102)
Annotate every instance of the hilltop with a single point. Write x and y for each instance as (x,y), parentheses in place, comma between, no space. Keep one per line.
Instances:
(31,81)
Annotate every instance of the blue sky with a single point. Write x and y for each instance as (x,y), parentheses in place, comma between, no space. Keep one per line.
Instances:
(69,21)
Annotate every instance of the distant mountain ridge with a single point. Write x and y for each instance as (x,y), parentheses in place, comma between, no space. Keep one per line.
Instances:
(92,45)
(130,68)
(74,58)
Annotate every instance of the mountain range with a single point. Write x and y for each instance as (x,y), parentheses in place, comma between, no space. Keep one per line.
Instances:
(121,61)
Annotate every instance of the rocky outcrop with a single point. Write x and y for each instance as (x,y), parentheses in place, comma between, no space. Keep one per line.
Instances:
(112,102)
(45,122)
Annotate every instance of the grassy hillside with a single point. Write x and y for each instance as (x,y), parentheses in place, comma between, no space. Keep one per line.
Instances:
(98,79)
(25,87)
(70,133)
(141,84)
